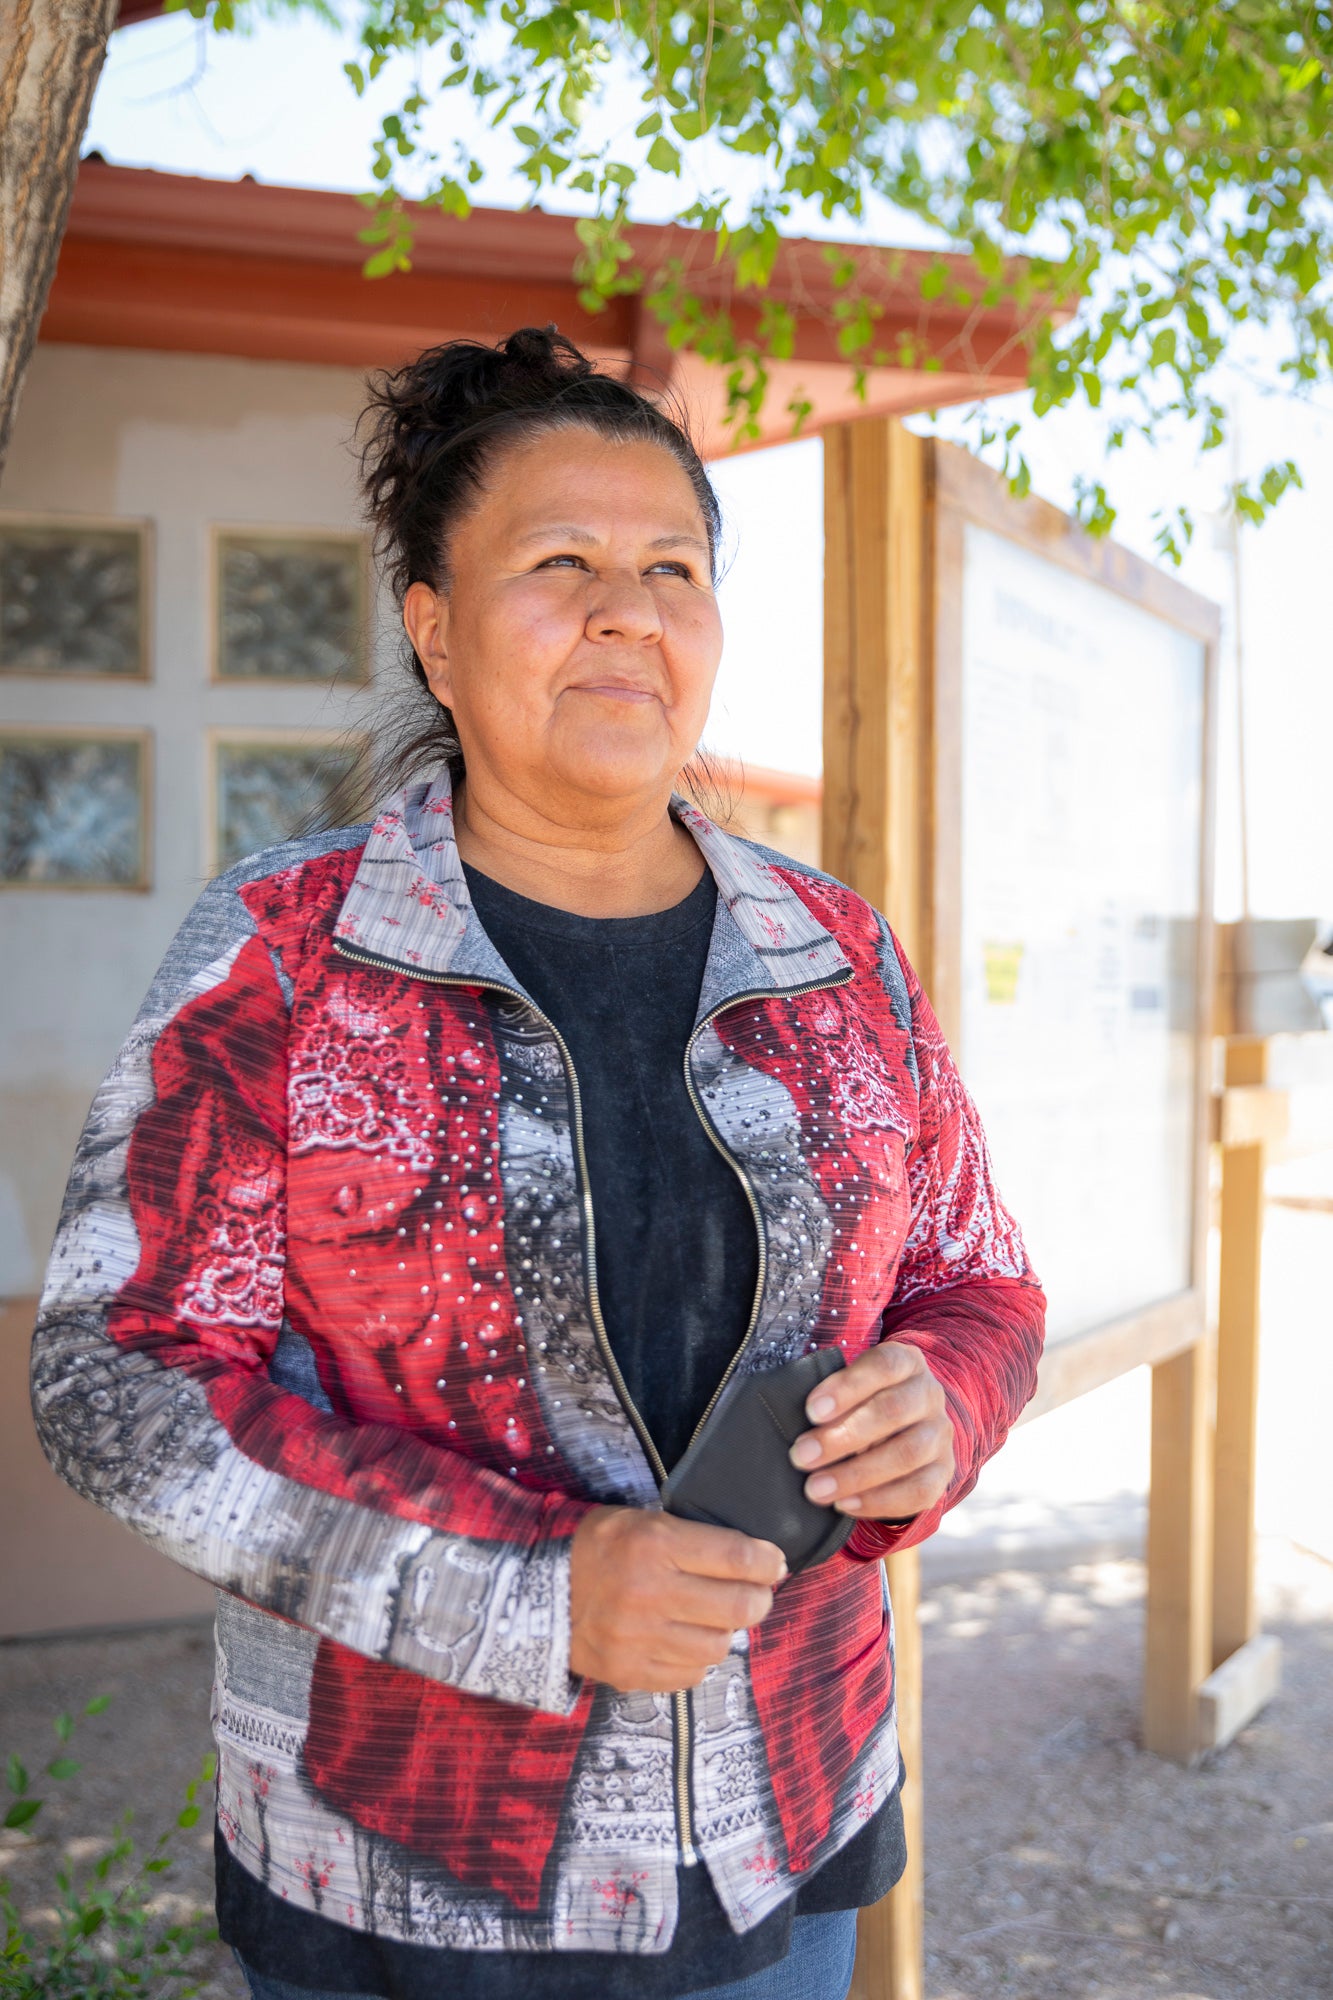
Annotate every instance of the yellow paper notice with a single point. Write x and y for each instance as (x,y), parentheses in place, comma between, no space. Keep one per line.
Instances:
(1002,963)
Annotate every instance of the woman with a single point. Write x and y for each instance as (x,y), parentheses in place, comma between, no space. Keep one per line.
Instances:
(452,1165)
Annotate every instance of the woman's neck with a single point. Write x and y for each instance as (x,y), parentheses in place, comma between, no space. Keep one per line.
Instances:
(630,866)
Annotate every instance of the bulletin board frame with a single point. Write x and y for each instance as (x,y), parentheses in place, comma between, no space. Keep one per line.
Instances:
(961,492)
(896,510)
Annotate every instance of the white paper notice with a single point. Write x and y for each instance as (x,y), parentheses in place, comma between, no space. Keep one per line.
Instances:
(1082,774)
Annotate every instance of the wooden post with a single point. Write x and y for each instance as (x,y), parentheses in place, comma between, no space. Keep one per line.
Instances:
(877,817)
(1179,1550)
(1242,1228)
(877,837)
(1178,1635)
(890,1938)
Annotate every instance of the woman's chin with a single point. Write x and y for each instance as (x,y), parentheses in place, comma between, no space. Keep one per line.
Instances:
(615,764)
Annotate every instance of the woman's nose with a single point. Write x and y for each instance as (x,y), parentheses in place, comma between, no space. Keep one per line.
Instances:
(623,607)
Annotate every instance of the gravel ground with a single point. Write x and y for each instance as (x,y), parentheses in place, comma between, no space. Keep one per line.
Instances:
(1061,1860)
(139,1754)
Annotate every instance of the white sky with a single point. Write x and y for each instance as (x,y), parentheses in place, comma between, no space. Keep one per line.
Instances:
(275,104)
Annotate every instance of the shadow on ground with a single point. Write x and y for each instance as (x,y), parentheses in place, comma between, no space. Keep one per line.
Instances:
(1062,1860)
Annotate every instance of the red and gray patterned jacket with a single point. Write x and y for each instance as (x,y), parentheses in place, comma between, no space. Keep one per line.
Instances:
(321,1323)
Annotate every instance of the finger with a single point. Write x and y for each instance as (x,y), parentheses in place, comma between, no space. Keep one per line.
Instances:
(658,1672)
(878,1368)
(722,1607)
(697,1549)
(900,1457)
(901,1499)
(693,1647)
(883,1416)
(666,1653)
(667,1674)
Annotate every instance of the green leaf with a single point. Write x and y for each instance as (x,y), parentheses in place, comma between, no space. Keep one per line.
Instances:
(22,1811)
(663,157)
(1163,349)
(63,1767)
(187,1816)
(1302,76)
(17,1775)
(383,263)
(64,1727)
(988,257)
(1180,155)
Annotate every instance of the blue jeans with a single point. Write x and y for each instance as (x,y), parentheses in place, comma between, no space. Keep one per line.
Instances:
(818,1967)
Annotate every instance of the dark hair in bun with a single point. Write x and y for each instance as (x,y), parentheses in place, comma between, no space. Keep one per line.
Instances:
(431,432)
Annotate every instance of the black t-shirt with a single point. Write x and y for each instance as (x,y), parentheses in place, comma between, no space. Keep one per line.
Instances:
(676,1260)
(676,1254)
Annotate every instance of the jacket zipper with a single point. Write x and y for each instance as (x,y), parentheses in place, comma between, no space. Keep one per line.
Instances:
(788,993)
(680,1699)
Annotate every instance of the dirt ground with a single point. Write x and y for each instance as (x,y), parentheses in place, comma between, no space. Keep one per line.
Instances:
(1061,1860)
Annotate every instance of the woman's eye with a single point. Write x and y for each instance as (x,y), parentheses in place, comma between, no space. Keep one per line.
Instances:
(669,566)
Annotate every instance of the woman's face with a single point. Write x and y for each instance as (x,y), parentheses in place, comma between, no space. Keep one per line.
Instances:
(579,637)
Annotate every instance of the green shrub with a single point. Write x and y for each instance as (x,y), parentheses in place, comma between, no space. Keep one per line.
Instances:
(107,1941)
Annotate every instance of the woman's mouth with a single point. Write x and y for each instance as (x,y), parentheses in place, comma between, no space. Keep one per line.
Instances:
(615,691)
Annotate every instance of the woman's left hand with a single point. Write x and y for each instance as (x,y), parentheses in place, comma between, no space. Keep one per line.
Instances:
(882,1444)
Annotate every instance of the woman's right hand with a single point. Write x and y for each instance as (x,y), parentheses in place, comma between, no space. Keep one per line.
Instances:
(655,1601)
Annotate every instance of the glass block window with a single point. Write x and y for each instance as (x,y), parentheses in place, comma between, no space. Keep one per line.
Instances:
(72,600)
(73,810)
(263,787)
(290,608)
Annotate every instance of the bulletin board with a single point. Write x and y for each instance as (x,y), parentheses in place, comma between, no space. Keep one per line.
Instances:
(1074,694)
(1019,770)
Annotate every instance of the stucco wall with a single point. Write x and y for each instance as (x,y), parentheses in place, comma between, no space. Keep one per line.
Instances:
(182,441)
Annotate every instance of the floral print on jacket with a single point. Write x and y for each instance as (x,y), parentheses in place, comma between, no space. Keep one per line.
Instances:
(319,1324)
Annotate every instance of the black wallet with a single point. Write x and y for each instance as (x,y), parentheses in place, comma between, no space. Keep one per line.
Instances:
(737,1473)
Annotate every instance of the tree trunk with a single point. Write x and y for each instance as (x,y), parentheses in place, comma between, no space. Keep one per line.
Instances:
(51,55)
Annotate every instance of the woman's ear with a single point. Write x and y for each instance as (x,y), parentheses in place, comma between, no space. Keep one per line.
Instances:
(426,622)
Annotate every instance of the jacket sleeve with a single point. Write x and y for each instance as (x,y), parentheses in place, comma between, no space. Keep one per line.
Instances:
(162,1309)
(965,1293)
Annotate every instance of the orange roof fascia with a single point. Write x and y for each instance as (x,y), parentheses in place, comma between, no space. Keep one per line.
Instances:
(760,781)
(176,263)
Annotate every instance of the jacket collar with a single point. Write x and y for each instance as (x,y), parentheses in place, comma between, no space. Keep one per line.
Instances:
(409,904)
